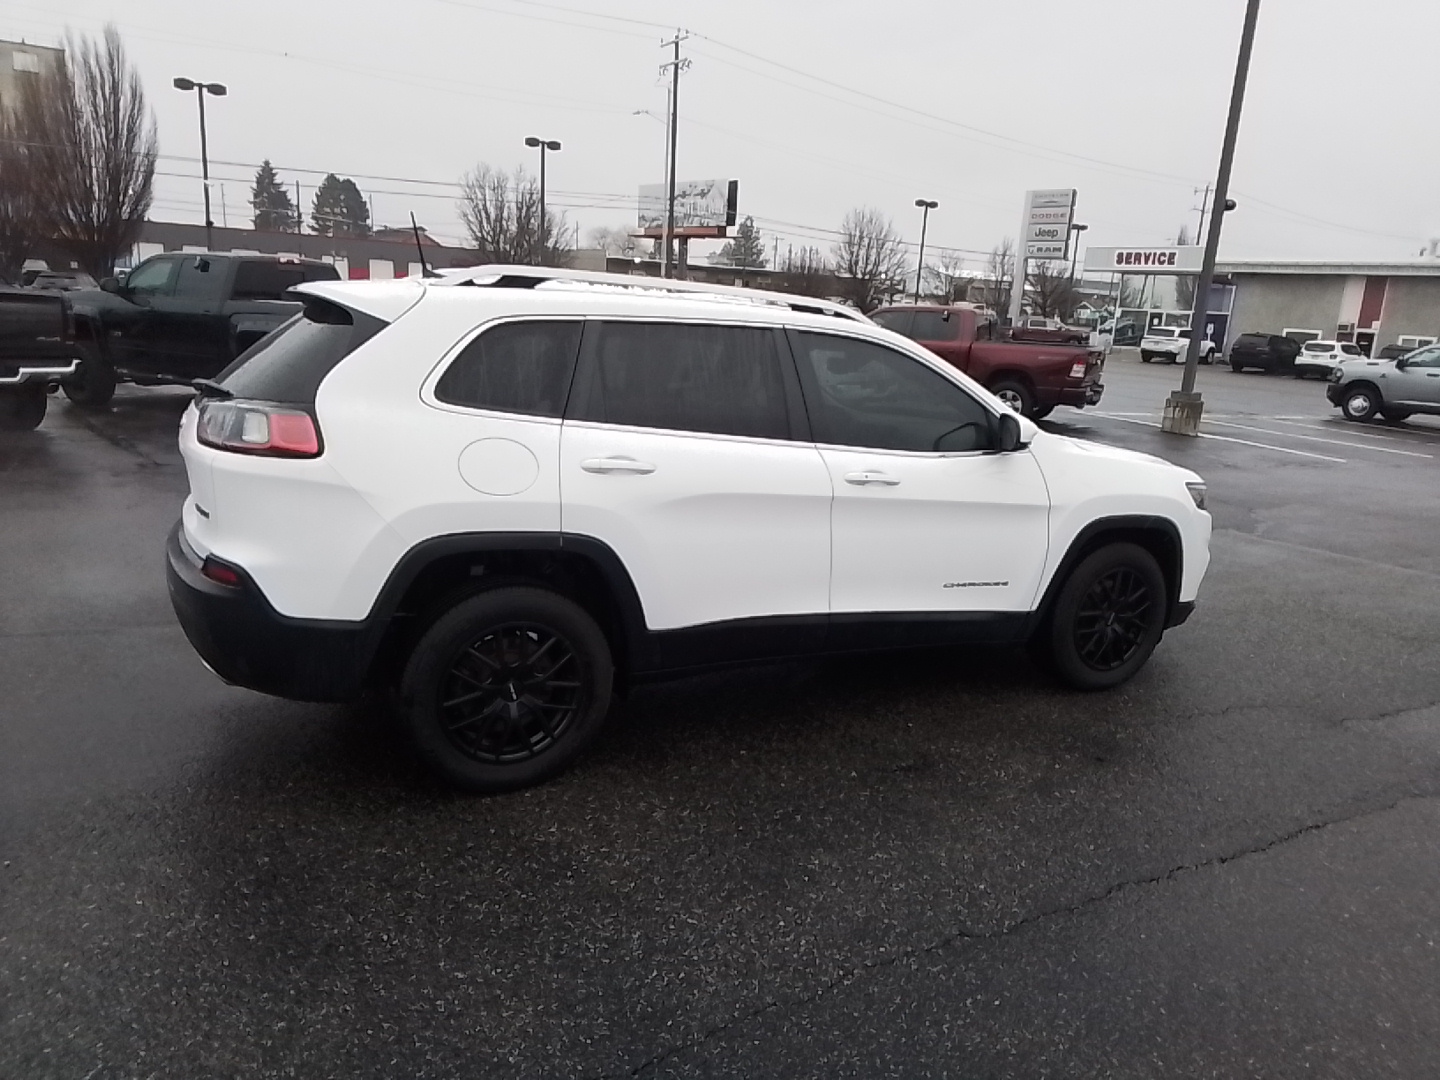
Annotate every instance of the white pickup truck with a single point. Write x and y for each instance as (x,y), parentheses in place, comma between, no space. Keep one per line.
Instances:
(1170,343)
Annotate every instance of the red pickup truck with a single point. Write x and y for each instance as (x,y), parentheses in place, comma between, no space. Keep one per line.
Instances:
(1031,377)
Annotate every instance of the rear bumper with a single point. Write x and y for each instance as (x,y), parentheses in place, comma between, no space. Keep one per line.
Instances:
(1078,396)
(247,642)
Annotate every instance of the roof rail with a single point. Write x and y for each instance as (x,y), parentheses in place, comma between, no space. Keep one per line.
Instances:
(527,277)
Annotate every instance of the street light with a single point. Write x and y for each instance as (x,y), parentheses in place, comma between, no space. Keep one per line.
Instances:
(1075,247)
(201,89)
(926,205)
(544,145)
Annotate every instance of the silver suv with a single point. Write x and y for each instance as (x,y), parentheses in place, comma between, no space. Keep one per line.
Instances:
(1395,389)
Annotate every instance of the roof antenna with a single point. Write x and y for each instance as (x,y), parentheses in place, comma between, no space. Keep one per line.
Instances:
(425,270)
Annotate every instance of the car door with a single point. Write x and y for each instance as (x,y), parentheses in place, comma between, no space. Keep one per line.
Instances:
(684,451)
(926,519)
(133,334)
(1418,383)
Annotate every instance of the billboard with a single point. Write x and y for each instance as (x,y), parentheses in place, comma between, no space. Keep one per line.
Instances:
(706,206)
(1148,260)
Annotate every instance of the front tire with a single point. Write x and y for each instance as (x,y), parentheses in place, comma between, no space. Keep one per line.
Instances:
(1108,617)
(1016,395)
(506,689)
(22,408)
(1360,404)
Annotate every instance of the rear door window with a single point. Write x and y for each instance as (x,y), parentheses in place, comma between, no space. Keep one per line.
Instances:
(199,278)
(722,380)
(261,279)
(288,364)
(517,367)
(898,321)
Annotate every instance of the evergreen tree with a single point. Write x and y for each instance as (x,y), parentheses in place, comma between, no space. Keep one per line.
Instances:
(274,212)
(339,209)
(748,247)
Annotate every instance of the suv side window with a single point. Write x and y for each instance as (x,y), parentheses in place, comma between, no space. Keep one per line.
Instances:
(721,380)
(154,277)
(866,395)
(516,367)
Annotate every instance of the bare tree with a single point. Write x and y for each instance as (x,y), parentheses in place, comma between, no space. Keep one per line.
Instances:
(999,276)
(612,241)
(90,149)
(869,258)
(1051,292)
(502,214)
(807,272)
(1184,283)
(951,283)
(20,231)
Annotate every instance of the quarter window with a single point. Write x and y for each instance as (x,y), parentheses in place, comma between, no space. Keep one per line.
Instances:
(722,380)
(518,367)
(863,394)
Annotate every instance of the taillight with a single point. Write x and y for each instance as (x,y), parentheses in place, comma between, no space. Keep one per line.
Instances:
(254,427)
(1077,369)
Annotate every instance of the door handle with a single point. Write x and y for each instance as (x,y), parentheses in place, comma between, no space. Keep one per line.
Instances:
(616,465)
(863,478)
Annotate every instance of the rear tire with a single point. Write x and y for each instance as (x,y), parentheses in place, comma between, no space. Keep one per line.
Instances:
(1360,404)
(506,689)
(93,385)
(1394,415)
(1107,618)
(22,408)
(1016,395)
(1236,366)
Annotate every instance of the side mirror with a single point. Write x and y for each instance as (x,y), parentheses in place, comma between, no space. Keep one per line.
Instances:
(1400,363)
(1007,433)
(110,284)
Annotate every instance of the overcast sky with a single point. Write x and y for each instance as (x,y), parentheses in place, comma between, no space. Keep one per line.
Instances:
(969,103)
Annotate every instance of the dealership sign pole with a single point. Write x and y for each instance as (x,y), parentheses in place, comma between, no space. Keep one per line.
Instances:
(1184,407)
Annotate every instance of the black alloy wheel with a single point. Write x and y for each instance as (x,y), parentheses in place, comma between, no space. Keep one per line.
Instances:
(1108,617)
(506,688)
(510,694)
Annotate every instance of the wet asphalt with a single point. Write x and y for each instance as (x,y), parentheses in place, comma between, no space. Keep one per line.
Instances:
(934,864)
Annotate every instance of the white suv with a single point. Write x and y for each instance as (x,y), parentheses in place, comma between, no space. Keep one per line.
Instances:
(502,492)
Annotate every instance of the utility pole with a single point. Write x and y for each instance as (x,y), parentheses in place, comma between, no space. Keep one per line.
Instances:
(1184,408)
(299,213)
(674,67)
(1204,203)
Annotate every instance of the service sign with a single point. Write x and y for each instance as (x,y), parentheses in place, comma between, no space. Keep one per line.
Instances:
(1156,260)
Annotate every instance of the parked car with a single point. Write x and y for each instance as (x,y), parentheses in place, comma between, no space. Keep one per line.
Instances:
(1395,389)
(36,353)
(180,317)
(1169,343)
(1268,352)
(1394,351)
(1322,357)
(62,280)
(500,494)
(1125,334)
(1031,377)
(1035,329)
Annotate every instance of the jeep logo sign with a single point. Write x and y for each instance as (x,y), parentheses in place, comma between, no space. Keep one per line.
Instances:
(1167,260)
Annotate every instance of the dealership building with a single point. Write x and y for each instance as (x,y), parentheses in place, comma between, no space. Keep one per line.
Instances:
(1372,304)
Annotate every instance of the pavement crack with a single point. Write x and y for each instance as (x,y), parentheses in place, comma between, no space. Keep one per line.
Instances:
(998,933)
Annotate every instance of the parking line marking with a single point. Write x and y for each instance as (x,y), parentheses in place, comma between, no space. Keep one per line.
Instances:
(1323,425)
(1340,425)
(1228,438)
(1318,438)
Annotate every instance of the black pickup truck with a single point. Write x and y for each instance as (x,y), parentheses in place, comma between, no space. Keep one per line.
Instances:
(37,352)
(179,317)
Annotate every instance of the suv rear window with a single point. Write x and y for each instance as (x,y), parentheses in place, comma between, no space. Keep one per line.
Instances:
(1160,331)
(261,279)
(723,380)
(1317,346)
(288,364)
(518,367)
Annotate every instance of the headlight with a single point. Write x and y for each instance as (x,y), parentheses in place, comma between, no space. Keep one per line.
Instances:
(1197,492)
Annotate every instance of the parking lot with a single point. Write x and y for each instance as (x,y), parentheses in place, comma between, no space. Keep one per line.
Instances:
(913,865)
